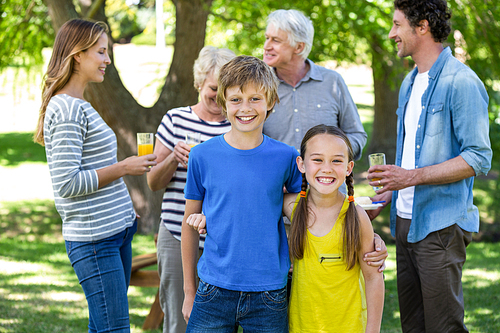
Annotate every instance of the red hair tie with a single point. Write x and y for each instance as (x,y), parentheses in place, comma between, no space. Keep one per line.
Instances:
(350,198)
(302,194)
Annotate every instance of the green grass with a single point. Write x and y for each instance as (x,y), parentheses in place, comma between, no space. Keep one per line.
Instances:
(39,291)
(17,148)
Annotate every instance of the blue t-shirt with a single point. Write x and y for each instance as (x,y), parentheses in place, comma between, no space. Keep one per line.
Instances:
(242,192)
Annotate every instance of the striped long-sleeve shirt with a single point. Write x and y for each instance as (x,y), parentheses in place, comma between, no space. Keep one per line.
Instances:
(77,143)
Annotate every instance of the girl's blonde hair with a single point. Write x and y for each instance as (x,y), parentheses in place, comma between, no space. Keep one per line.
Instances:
(75,36)
(351,229)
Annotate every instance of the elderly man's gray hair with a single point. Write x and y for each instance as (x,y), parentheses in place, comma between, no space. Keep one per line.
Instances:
(298,27)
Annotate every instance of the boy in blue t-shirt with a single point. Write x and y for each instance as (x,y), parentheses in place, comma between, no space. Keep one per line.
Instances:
(238,180)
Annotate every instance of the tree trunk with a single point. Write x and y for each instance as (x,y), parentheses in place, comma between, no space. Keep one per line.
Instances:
(388,73)
(122,112)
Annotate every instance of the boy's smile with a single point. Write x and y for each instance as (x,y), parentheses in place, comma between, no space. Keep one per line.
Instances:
(247,109)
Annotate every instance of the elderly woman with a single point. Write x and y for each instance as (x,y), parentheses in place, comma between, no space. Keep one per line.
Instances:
(172,151)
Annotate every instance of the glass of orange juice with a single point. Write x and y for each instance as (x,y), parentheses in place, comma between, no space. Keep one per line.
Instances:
(376,159)
(145,143)
(192,139)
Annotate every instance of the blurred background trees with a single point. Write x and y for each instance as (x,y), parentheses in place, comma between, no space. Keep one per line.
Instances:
(346,31)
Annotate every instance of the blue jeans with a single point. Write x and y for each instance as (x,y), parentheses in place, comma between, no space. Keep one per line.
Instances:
(220,310)
(103,270)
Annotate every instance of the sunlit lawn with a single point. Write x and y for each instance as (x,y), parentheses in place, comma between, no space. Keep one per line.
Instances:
(39,291)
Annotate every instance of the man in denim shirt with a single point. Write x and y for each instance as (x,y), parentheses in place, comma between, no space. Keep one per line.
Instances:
(442,144)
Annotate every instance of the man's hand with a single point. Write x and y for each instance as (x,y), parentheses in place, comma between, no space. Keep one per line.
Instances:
(387,197)
(392,177)
(377,257)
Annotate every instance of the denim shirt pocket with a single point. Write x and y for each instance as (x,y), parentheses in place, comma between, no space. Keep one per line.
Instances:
(435,119)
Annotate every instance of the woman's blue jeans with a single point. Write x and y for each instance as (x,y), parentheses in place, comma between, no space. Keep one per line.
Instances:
(103,270)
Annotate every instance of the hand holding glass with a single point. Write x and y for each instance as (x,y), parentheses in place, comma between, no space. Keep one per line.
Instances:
(376,159)
(144,143)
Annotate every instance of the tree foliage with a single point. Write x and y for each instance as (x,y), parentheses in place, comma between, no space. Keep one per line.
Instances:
(24,31)
(476,39)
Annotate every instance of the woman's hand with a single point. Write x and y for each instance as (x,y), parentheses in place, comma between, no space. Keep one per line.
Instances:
(138,165)
(181,153)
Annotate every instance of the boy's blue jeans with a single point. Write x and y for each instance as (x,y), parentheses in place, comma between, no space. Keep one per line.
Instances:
(103,270)
(220,310)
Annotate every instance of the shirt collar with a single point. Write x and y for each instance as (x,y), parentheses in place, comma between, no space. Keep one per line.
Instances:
(313,73)
(438,65)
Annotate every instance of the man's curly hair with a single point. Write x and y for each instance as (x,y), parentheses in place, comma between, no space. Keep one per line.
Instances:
(436,12)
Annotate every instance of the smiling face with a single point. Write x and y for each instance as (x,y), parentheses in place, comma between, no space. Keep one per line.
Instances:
(404,35)
(326,163)
(247,109)
(277,50)
(91,63)
(208,94)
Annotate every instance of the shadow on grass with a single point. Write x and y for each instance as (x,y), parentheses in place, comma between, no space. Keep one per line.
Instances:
(16,148)
(39,291)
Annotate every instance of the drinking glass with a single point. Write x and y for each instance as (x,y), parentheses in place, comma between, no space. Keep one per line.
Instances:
(376,159)
(145,143)
(192,139)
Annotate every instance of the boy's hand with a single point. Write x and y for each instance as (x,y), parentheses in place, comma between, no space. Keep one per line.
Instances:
(377,257)
(198,222)
(187,307)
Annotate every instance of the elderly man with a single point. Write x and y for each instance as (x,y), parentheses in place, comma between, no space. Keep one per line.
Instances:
(309,94)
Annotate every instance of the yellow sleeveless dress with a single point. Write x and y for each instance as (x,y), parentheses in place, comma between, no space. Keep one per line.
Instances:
(326,297)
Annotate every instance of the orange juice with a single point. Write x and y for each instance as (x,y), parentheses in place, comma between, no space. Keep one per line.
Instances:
(145,149)
(375,179)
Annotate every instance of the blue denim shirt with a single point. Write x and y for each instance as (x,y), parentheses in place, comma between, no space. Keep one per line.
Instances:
(454,122)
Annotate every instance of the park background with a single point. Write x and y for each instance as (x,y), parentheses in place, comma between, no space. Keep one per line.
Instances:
(39,291)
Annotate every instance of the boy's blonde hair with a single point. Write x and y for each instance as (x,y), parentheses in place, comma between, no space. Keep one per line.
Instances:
(244,70)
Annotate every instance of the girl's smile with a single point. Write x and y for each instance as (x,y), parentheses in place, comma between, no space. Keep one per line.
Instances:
(326,163)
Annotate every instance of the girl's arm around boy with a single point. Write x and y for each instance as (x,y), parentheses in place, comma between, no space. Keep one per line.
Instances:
(374,281)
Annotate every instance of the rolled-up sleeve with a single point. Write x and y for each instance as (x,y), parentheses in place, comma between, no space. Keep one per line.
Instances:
(471,121)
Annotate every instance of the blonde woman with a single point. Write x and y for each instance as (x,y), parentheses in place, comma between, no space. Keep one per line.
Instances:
(205,118)
(96,210)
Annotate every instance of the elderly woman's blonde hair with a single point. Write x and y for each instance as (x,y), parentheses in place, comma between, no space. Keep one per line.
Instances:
(209,61)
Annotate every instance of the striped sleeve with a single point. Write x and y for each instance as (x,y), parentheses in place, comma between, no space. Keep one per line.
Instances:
(67,133)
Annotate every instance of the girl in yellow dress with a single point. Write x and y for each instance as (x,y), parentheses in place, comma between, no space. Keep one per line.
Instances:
(328,237)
